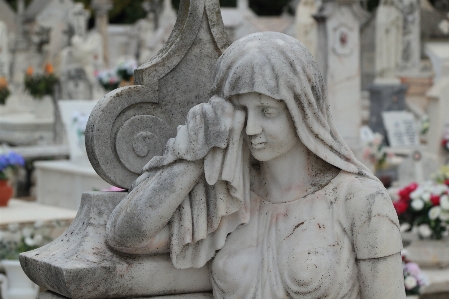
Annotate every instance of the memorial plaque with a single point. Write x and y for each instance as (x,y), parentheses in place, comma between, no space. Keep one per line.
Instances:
(401,129)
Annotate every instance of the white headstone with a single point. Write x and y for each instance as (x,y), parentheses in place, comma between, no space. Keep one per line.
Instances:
(4,51)
(74,114)
(401,129)
(338,54)
(411,43)
(389,32)
(306,26)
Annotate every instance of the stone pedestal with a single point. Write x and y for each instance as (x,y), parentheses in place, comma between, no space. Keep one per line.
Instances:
(385,97)
(80,265)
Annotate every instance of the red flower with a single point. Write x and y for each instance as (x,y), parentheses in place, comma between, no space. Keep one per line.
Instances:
(447,182)
(404,193)
(400,206)
(435,200)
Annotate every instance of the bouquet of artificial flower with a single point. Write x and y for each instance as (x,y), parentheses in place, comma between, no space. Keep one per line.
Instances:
(376,152)
(39,85)
(414,279)
(425,208)
(8,163)
(16,240)
(108,79)
(442,175)
(125,69)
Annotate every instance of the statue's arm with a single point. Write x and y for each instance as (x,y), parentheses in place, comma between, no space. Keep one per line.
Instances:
(382,277)
(138,225)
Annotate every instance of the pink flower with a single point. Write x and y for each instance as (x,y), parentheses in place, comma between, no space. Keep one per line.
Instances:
(113,189)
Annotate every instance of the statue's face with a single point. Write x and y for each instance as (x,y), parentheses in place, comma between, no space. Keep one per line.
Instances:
(269,127)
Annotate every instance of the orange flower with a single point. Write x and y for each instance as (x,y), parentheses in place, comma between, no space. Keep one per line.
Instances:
(49,69)
(3,83)
(30,71)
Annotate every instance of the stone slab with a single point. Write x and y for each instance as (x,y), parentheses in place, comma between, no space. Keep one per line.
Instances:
(20,211)
(61,183)
(80,265)
(25,129)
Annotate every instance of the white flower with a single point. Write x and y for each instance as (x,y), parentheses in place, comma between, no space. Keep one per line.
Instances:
(27,231)
(38,239)
(404,227)
(417,193)
(434,212)
(410,282)
(38,224)
(444,202)
(13,227)
(29,241)
(426,196)
(424,231)
(417,204)
(444,216)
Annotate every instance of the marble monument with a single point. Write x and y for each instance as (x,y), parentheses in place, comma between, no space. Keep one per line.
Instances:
(224,211)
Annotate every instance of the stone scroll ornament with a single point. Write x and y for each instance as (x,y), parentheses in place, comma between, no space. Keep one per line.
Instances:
(132,124)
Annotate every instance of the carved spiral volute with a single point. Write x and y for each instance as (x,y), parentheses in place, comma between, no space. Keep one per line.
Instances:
(125,130)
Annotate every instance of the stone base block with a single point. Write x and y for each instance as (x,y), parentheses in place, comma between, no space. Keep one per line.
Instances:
(61,183)
(79,264)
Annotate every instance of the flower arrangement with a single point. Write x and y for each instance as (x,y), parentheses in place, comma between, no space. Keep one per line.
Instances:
(125,69)
(108,79)
(4,90)
(41,84)
(377,153)
(8,163)
(414,279)
(16,240)
(442,176)
(424,124)
(425,208)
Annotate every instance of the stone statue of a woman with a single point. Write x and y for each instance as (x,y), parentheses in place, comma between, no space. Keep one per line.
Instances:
(259,183)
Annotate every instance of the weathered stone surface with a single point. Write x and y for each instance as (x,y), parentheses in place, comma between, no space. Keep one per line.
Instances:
(51,295)
(143,117)
(79,264)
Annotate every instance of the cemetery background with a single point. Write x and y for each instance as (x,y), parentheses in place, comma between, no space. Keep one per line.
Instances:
(386,64)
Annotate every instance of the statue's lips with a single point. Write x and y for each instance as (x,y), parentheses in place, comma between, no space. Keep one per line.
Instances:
(258,145)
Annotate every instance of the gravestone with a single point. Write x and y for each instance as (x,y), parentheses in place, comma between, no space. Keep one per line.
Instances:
(411,40)
(338,54)
(306,26)
(389,32)
(5,59)
(385,97)
(401,129)
(135,121)
(76,175)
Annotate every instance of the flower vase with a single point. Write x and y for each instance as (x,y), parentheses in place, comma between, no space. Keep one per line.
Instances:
(16,285)
(6,192)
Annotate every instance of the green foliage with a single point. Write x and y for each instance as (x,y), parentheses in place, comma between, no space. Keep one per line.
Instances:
(4,94)
(268,7)
(39,85)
